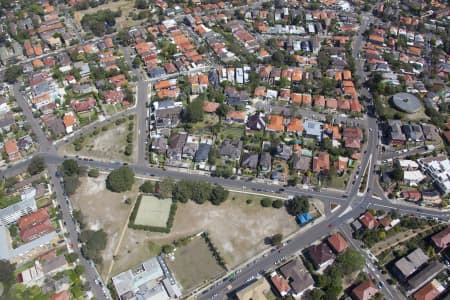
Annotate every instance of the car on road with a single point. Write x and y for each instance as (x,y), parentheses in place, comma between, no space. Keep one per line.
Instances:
(330,225)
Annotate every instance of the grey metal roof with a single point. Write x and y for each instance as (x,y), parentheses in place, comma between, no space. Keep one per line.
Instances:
(406,102)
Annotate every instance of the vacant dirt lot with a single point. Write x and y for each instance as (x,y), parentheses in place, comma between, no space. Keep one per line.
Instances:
(125,6)
(237,228)
(194,264)
(106,145)
(103,209)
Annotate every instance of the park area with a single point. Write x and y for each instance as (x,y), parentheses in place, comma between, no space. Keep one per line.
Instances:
(153,211)
(106,143)
(125,6)
(238,227)
(193,264)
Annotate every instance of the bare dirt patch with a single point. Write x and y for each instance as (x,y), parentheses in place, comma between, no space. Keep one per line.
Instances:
(237,229)
(105,210)
(106,145)
(194,264)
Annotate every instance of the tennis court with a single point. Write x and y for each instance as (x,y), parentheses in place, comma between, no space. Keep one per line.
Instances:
(153,211)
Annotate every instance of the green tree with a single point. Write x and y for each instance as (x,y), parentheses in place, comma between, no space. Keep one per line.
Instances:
(277,204)
(350,261)
(36,166)
(13,73)
(71,184)
(120,180)
(182,191)
(298,205)
(70,167)
(194,111)
(147,187)
(218,195)
(397,173)
(93,243)
(276,239)
(266,202)
(93,173)
(164,188)
(201,192)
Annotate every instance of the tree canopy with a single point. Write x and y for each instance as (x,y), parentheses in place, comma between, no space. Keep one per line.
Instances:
(12,73)
(120,180)
(194,111)
(147,187)
(93,243)
(298,205)
(350,261)
(70,167)
(101,22)
(36,166)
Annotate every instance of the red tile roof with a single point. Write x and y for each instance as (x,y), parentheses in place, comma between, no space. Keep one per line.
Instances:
(365,290)
(36,231)
(39,216)
(368,220)
(442,239)
(338,242)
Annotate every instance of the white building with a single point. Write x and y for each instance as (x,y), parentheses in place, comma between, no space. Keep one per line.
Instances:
(25,206)
(438,168)
(407,164)
(413,178)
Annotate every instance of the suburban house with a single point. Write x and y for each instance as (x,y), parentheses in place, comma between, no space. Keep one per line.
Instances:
(364,291)
(231,149)
(202,153)
(298,277)
(313,129)
(256,122)
(69,121)
(176,144)
(113,96)
(321,162)
(265,162)
(167,113)
(396,136)
(280,283)
(429,291)
(442,239)
(337,242)
(368,220)
(12,150)
(409,264)
(250,160)
(82,106)
(320,255)
(426,274)
(301,162)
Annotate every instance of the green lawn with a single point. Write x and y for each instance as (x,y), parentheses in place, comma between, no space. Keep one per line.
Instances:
(87,117)
(232,132)
(109,109)
(338,182)
(6,201)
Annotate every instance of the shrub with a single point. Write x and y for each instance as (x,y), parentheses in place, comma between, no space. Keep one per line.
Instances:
(277,204)
(266,202)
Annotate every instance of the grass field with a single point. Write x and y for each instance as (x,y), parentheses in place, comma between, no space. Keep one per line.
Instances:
(153,211)
(194,264)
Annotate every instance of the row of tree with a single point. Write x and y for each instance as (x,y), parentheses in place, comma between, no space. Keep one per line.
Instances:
(185,190)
